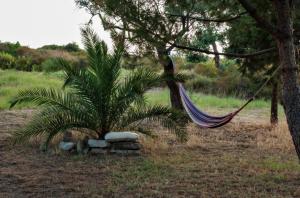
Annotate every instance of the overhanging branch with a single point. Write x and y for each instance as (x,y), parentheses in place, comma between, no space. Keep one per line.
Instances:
(262,22)
(265,51)
(211,20)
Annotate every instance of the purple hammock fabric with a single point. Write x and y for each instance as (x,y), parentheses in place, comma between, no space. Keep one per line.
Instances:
(200,118)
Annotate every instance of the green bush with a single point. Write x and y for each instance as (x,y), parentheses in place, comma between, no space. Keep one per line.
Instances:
(201,83)
(207,68)
(50,65)
(23,63)
(37,68)
(7,61)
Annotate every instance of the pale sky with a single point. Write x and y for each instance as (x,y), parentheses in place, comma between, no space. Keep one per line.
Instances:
(35,23)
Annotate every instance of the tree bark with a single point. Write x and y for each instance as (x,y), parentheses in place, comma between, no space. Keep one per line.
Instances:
(290,92)
(217,56)
(169,71)
(274,104)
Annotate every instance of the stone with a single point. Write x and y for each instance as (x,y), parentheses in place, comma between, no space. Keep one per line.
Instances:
(68,137)
(66,146)
(126,146)
(121,137)
(82,146)
(98,151)
(98,143)
(125,152)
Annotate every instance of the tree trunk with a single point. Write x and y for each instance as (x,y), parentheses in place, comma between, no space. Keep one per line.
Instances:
(274,104)
(217,56)
(169,71)
(290,92)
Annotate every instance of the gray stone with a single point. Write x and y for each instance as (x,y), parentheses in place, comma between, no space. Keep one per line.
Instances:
(125,152)
(98,143)
(82,145)
(98,151)
(121,137)
(66,146)
(126,146)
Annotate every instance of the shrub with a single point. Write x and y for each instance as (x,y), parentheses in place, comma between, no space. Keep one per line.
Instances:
(7,61)
(51,65)
(207,68)
(98,100)
(37,68)
(201,83)
(23,64)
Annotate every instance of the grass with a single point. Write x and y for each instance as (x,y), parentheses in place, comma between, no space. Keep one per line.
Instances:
(12,81)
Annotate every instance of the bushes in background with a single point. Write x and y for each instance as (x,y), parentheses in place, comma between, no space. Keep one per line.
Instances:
(7,61)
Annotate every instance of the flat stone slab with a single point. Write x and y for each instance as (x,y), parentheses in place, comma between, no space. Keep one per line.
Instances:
(98,143)
(67,146)
(125,146)
(121,137)
(98,151)
(125,152)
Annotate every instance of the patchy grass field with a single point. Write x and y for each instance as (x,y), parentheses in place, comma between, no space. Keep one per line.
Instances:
(12,81)
(246,158)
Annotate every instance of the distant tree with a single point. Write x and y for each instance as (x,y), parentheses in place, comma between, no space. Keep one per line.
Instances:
(70,47)
(10,48)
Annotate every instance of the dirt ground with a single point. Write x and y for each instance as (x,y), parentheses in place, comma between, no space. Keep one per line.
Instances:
(247,158)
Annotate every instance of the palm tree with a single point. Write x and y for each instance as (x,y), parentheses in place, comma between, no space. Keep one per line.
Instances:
(96,99)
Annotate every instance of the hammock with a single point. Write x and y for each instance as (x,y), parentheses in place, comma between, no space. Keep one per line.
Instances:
(208,121)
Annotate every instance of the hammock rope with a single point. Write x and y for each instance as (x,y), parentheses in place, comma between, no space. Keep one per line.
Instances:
(208,121)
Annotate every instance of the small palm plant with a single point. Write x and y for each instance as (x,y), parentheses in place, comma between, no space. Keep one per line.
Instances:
(96,99)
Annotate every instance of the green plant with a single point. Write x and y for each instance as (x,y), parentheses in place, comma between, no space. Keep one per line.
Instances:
(96,99)
(207,68)
(23,64)
(51,65)
(7,61)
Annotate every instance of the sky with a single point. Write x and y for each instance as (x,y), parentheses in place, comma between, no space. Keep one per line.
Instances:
(35,23)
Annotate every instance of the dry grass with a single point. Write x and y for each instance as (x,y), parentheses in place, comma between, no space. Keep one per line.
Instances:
(276,138)
(242,159)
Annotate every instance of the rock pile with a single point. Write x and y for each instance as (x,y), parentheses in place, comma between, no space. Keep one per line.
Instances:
(114,142)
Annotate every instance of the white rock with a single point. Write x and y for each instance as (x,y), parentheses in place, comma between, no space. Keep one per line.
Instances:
(121,137)
(98,143)
(66,146)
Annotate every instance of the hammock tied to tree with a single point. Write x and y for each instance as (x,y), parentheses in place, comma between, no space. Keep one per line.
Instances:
(208,121)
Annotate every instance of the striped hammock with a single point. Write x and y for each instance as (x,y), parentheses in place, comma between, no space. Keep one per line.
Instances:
(203,119)
(208,121)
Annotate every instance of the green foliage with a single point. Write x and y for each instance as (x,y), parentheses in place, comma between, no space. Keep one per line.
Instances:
(201,83)
(7,61)
(10,48)
(51,65)
(23,64)
(70,47)
(207,68)
(96,99)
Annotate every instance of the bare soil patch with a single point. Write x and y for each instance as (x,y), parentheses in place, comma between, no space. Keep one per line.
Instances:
(247,158)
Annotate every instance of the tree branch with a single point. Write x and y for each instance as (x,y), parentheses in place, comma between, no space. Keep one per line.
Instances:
(211,20)
(261,22)
(265,51)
